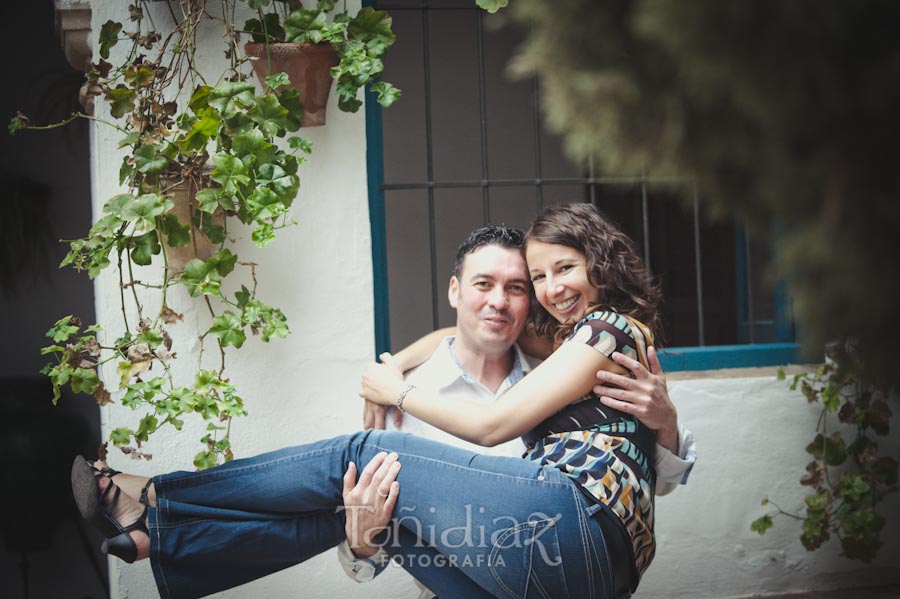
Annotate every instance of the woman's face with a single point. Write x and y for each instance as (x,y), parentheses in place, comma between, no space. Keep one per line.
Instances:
(560,279)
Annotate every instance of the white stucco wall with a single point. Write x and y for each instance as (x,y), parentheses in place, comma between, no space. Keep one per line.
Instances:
(751,434)
(751,431)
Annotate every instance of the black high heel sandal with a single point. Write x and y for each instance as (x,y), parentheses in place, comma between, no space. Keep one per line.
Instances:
(93,507)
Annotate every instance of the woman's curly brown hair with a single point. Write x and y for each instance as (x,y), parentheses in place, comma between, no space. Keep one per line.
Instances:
(613,264)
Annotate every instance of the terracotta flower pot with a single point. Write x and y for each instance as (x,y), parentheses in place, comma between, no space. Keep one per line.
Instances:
(309,68)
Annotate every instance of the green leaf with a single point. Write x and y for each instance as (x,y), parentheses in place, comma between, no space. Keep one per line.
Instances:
(207,381)
(492,6)
(144,210)
(223,262)
(230,173)
(109,36)
(207,407)
(139,76)
(147,427)
(177,235)
(303,144)
(210,199)
(144,247)
(263,235)
(17,123)
(215,233)
(116,207)
(273,177)
(242,297)
(63,329)
(347,96)
(151,337)
(305,25)
(252,148)
(200,278)
(124,372)
(852,487)
(230,98)
(832,450)
(779,376)
(84,380)
(271,25)
(205,459)
(387,94)
(201,132)
(818,502)
(831,397)
(229,329)
(271,116)
(130,140)
(265,204)
(121,436)
(276,80)
(290,99)
(762,524)
(121,100)
(373,27)
(199,101)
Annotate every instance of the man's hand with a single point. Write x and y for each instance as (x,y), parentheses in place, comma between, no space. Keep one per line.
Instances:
(645,396)
(370,502)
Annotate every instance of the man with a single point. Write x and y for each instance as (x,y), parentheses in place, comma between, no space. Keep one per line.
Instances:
(490,290)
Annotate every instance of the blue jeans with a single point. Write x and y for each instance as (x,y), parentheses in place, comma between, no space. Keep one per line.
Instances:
(465,524)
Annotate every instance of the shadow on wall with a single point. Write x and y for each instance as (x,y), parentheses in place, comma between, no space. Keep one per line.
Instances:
(45,550)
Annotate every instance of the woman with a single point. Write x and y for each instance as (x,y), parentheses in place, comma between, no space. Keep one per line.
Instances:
(503,527)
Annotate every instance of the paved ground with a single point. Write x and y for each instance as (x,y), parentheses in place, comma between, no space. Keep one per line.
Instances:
(892,592)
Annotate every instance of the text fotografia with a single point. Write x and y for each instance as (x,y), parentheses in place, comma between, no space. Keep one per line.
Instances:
(471,538)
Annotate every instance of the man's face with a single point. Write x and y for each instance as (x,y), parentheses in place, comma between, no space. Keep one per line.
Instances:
(491,297)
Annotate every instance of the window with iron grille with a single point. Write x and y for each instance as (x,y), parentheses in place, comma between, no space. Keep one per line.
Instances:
(466,146)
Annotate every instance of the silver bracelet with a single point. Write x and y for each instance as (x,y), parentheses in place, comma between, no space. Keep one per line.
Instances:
(403,393)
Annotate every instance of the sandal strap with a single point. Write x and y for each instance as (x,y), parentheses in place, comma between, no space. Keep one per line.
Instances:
(105,471)
(139,523)
(145,499)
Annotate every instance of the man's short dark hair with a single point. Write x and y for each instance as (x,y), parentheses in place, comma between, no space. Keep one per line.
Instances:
(505,237)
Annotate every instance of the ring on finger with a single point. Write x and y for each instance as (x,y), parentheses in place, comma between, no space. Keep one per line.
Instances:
(380,494)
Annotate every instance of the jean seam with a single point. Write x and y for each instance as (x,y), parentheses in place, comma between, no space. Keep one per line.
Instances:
(586,542)
(162,583)
(175,482)
(534,525)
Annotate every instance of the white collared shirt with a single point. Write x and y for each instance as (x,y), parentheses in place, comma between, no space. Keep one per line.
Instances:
(442,376)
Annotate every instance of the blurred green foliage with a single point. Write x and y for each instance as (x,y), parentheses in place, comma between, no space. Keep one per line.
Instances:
(785,113)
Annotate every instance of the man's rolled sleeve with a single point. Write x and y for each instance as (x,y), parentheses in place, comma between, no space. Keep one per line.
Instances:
(361,569)
(672,469)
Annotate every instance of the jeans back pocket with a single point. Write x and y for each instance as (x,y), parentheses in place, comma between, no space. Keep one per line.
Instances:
(526,561)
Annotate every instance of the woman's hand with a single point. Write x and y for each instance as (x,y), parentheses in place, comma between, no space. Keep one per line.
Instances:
(645,396)
(382,383)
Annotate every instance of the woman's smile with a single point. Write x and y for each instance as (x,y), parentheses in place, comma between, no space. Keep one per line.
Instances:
(560,278)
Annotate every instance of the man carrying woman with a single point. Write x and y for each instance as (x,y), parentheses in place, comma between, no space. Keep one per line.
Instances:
(589,476)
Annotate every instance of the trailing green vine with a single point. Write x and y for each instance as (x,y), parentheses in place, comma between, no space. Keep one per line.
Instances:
(847,477)
(233,151)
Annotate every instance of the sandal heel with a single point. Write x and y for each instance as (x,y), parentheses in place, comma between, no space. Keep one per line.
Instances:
(97,508)
(122,546)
